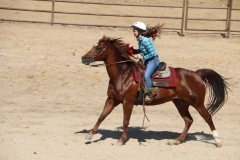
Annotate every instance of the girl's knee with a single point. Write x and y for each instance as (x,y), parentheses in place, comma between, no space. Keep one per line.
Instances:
(146,76)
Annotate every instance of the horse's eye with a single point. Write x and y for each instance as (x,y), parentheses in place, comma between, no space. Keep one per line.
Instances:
(98,49)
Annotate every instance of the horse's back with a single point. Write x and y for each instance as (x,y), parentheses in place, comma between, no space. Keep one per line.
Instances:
(185,75)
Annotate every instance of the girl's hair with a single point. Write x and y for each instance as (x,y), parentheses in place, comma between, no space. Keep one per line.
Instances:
(153,32)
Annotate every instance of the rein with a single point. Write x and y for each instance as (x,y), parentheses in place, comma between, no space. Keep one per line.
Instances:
(103,64)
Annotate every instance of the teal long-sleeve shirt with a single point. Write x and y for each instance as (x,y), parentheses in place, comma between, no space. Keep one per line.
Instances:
(147,48)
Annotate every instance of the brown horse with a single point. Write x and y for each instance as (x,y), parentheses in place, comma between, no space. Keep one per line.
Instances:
(190,89)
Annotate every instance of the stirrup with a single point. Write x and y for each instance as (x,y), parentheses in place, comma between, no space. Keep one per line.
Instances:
(148,97)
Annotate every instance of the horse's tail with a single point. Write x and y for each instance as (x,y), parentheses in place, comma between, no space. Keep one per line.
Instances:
(218,89)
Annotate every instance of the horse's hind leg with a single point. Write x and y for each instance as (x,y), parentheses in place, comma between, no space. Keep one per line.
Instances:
(183,111)
(208,118)
(109,105)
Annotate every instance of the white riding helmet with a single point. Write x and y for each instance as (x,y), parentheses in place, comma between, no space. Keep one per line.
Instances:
(139,25)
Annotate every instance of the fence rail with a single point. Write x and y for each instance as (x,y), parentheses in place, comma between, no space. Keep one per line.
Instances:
(228,18)
(184,17)
(236,20)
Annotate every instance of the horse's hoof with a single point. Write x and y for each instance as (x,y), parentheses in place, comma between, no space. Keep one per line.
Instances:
(173,142)
(88,137)
(119,143)
(219,144)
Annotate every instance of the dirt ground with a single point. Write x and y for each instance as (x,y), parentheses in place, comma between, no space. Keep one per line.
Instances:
(49,100)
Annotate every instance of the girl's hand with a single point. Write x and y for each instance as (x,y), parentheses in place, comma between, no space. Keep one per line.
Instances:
(139,56)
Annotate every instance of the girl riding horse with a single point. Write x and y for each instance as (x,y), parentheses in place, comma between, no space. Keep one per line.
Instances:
(147,51)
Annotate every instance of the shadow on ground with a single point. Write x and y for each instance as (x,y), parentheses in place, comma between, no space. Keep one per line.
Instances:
(143,135)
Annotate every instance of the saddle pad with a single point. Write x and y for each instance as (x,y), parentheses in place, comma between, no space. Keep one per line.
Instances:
(136,76)
(171,81)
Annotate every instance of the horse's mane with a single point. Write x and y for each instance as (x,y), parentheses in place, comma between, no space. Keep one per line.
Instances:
(121,47)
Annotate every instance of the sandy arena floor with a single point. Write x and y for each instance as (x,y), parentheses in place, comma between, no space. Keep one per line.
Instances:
(49,99)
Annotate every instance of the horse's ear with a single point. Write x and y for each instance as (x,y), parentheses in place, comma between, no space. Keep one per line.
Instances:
(104,37)
(101,39)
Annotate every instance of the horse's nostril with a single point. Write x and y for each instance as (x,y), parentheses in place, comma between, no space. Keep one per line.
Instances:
(87,60)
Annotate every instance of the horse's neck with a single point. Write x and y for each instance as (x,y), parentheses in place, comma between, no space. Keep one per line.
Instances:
(115,70)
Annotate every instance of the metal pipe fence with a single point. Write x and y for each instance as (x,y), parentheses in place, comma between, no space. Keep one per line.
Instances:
(184,17)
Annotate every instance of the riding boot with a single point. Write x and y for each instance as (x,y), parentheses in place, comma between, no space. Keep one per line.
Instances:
(148,94)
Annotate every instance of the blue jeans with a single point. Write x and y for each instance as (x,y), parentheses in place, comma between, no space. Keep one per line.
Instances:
(151,66)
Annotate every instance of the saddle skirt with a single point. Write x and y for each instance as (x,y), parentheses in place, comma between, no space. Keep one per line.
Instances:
(163,76)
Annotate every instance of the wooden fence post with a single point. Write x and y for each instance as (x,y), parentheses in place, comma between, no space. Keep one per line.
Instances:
(229,18)
(52,19)
(183,16)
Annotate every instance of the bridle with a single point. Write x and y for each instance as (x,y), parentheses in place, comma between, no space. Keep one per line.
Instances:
(103,64)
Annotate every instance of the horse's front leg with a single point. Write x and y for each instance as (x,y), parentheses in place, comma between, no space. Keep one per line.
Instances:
(109,105)
(127,109)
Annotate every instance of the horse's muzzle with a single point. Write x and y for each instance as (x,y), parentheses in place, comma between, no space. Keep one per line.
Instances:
(87,60)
